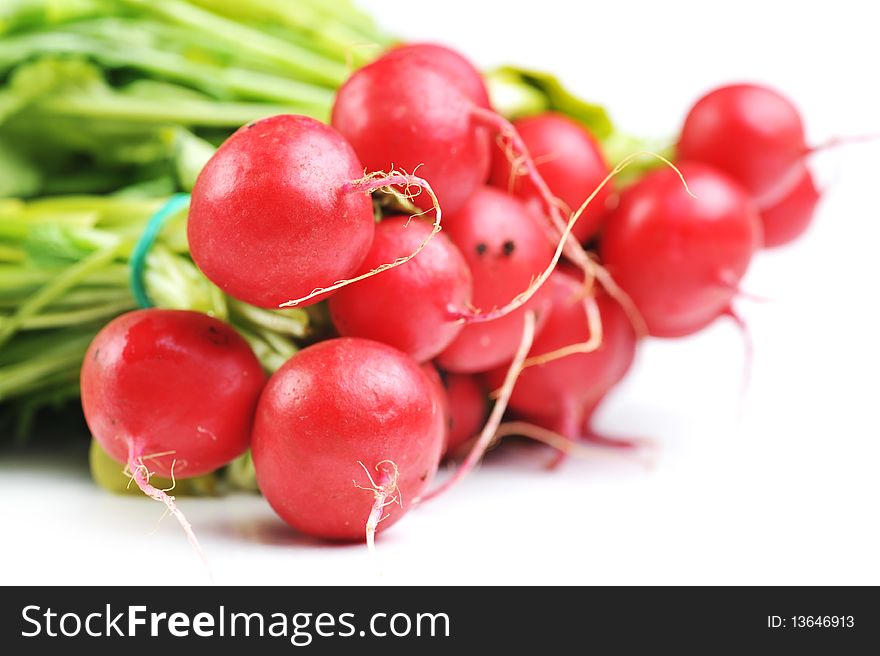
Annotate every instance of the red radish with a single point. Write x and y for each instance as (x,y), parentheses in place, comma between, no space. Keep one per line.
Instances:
(171,382)
(409,307)
(569,159)
(399,110)
(467,399)
(269,220)
(791,216)
(437,381)
(348,432)
(281,209)
(170,392)
(410,111)
(448,63)
(561,393)
(505,249)
(434,376)
(750,132)
(680,258)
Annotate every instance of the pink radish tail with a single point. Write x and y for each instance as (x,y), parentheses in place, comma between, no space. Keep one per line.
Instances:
(644,449)
(748,352)
(582,451)
(488,433)
(413,186)
(601,440)
(731,283)
(569,427)
(140,474)
(385,493)
(837,142)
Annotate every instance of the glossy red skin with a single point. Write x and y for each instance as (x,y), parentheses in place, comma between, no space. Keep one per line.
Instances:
(790,218)
(399,112)
(571,162)
(449,63)
(468,407)
(269,221)
(408,306)
(563,392)
(331,405)
(171,381)
(433,375)
(751,133)
(679,257)
(489,220)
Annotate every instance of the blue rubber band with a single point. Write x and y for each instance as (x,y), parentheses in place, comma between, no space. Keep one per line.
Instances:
(137,263)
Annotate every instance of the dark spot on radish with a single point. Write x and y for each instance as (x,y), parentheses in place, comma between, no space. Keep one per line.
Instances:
(481,248)
(491,217)
(424,477)
(508,247)
(96,354)
(215,336)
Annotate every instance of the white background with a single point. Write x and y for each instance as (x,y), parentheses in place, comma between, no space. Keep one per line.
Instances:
(785,491)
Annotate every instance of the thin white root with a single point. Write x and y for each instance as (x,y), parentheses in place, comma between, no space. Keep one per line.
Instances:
(140,474)
(636,320)
(594,324)
(486,435)
(368,184)
(385,493)
(729,281)
(748,356)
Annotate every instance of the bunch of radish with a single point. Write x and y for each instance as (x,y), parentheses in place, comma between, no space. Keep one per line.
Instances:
(520,273)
